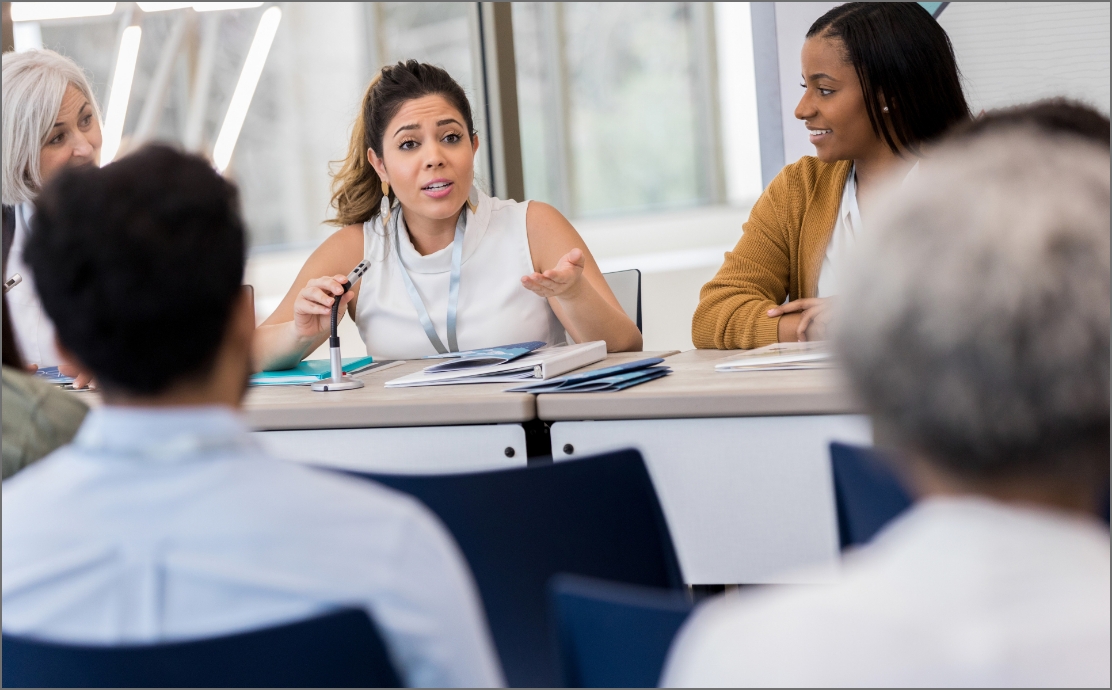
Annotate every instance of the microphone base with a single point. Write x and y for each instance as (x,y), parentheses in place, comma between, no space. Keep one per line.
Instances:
(345,384)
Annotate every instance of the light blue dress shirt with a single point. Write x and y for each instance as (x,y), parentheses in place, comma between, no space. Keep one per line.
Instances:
(171,524)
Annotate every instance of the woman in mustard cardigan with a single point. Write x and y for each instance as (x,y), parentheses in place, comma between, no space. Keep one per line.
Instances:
(879,80)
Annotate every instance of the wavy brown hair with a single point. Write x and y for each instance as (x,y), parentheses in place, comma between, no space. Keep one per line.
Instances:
(356,187)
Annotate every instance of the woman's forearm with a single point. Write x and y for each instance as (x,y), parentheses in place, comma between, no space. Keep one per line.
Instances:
(278,346)
(588,316)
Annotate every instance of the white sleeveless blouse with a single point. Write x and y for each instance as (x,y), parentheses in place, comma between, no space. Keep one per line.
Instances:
(493,308)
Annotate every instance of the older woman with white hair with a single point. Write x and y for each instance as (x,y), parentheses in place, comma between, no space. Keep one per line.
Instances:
(979,338)
(51,121)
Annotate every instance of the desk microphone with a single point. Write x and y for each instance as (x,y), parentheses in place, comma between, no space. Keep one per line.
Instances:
(341,381)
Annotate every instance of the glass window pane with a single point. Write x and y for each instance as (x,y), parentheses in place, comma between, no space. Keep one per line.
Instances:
(307,97)
(619,82)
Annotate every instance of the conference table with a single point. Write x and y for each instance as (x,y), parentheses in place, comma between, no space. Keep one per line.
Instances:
(740,461)
(427,429)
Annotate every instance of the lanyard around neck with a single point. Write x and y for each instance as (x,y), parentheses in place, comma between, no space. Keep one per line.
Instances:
(453,286)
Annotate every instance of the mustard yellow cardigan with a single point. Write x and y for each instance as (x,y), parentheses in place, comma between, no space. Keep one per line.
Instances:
(779,255)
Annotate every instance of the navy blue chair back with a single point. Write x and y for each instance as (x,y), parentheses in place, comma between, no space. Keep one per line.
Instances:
(612,635)
(867,494)
(340,649)
(597,516)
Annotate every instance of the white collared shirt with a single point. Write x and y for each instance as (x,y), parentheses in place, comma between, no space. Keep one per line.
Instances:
(847,227)
(160,525)
(847,232)
(34,332)
(957,592)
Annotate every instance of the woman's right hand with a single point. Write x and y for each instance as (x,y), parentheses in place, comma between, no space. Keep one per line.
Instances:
(312,310)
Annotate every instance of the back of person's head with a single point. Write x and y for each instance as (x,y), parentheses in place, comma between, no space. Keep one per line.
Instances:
(34,82)
(1052,115)
(138,265)
(905,62)
(975,322)
(356,187)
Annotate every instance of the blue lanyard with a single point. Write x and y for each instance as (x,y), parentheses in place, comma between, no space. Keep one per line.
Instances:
(453,286)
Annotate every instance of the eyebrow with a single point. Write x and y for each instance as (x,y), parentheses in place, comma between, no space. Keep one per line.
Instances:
(821,75)
(439,123)
(79,111)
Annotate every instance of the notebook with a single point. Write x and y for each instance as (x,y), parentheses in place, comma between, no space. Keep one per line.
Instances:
(52,375)
(313,370)
(541,364)
(781,356)
(605,380)
(484,357)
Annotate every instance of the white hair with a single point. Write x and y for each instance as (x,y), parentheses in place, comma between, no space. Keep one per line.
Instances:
(34,83)
(975,320)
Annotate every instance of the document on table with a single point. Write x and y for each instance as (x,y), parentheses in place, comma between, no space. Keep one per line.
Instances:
(782,356)
(313,370)
(605,380)
(53,375)
(540,364)
(485,357)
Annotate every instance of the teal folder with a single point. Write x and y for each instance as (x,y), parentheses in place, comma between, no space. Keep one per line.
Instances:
(309,371)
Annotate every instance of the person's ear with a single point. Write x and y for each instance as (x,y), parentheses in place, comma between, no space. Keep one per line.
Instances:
(241,324)
(243,314)
(474,143)
(378,165)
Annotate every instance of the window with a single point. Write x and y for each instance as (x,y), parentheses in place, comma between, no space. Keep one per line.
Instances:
(618,105)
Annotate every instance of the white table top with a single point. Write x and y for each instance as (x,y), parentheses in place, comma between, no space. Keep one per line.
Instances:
(695,389)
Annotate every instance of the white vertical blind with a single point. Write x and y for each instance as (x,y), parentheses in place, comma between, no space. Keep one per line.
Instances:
(1016,52)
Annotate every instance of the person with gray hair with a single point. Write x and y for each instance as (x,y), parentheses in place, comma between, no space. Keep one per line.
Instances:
(50,121)
(978,337)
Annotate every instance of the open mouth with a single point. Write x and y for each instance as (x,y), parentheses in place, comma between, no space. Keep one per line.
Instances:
(437,188)
(816,133)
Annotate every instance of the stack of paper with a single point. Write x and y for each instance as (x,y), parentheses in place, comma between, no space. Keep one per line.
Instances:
(485,357)
(540,364)
(311,371)
(780,356)
(605,380)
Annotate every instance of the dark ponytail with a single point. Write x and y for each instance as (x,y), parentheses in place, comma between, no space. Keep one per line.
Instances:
(904,61)
(356,187)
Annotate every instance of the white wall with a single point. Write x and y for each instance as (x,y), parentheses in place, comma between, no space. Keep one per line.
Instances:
(1016,52)
(792,21)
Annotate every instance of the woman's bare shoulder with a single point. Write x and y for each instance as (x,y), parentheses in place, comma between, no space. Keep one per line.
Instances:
(341,248)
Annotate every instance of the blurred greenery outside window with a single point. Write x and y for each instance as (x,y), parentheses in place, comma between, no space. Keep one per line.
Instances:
(617,101)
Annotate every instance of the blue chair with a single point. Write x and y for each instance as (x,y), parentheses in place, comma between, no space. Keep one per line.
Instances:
(867,494)
(597,516)
(612,635)
(340,649)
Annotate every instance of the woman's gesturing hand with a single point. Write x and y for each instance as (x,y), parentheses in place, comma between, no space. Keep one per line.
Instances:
(814,317)
(312,310)
(562,281)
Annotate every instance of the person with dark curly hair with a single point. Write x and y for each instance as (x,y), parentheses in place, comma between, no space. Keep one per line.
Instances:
(164,520)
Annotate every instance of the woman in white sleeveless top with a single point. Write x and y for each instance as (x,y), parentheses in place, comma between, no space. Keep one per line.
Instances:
(450,268)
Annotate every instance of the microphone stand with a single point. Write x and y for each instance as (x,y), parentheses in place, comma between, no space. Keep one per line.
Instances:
(339,381)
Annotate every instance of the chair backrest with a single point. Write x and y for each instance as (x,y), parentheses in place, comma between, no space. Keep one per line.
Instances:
(867,494)
(340,649)
(626,286)
(597,516)
(613,635)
